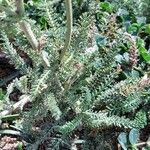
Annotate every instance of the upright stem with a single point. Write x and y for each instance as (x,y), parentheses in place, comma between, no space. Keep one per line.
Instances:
(18,105)
(26,28)
(69,15)
(20,7)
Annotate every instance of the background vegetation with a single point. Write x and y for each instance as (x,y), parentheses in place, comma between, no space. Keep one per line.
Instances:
(80,77)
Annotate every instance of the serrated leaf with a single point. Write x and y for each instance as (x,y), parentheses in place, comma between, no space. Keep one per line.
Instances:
(45,58)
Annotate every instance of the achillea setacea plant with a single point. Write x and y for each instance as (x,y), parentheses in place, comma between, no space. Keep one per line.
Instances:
(72,83)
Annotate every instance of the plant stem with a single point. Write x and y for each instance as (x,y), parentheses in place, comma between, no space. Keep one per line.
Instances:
(69,15)
(20,8)
(26,28)
(19,105)
(10,117)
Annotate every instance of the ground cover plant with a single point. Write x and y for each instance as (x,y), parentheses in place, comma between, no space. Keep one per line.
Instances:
(81,74)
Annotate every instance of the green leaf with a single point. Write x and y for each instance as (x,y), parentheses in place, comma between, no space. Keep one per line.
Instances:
(140,42)
(134,136)
(122,139)
(133,28)
(10,117)
(2,94)
(106,6)
(146,148)
(145,54)
(79,2)
(20,146)
(147,29)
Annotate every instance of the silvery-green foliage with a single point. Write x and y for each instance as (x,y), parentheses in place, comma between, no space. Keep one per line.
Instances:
(84,92)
